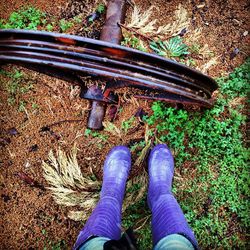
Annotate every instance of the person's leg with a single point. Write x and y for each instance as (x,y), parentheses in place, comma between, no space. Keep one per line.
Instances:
(174,242)
(96,243)
(105,220)
(167,216)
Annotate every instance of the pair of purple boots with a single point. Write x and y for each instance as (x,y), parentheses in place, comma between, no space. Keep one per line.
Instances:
(167,216)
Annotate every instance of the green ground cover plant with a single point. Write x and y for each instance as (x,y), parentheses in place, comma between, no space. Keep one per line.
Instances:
(212,176)
(18,85)
(95,134)
(126,125)
(133,42)
(65,25)
(29,18)
(101,8)
(99,11)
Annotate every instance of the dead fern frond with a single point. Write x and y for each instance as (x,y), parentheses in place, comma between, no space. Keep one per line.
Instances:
(140,20)
(192,40)
(193,37)
(68,185)
(64,171)
(71,188)
(205,52)
(78,215)
(143,154)
(129,99)
(181,21)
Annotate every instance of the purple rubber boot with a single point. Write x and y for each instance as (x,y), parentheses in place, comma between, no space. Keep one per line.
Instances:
(167,216)
(105,220)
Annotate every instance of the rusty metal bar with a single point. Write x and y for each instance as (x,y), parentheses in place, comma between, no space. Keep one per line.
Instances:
(64,55)
(163,80)
(111,32)
(99,56)
(108,65)
(132,80)
(113,64)
(109,51)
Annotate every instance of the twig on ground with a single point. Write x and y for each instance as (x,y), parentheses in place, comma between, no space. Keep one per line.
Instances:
(142,222)
(30,181)
(135,31)
(59,123)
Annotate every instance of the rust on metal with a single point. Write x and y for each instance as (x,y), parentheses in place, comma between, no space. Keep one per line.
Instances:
(66,40)
(96,115)
(111,32)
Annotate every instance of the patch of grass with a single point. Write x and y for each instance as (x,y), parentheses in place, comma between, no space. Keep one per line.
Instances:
(48,244)
(29,18)
(145,238)
(21,106)
(135,216)
(122,130)
(190,62)
(77,19)
(35,105)
(212,162)
(138,145)
(16,85)
(202,51)
(195,48)
(172,48)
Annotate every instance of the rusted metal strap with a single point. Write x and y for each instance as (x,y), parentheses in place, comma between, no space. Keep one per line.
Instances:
(111,32)
(137,69)
(67,57)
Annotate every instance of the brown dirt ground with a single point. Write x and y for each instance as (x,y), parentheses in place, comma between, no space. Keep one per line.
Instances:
(30,219)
